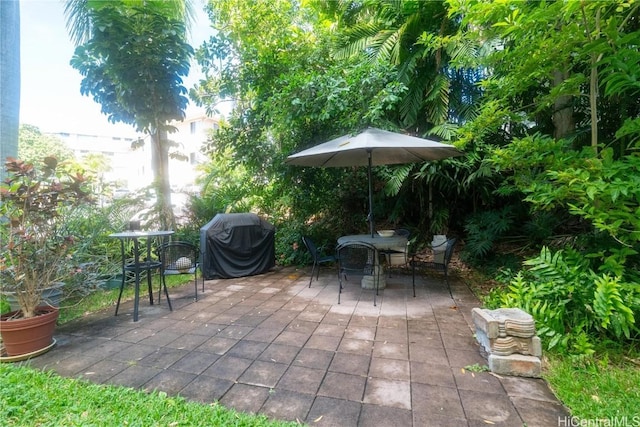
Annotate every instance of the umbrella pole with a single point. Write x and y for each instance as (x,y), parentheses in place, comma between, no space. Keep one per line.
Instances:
(370,195)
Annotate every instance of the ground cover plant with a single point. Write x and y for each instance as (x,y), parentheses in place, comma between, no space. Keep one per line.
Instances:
(597,381)
(606,388)
(75,308)
(574,306)
(30,397)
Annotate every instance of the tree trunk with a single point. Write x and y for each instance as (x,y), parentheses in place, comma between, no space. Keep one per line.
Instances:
(593,78)
(160,164)
(563,122)
(593,102)
(9,80)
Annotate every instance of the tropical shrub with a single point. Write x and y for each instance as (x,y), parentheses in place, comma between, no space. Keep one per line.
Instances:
(573,305)
(37,248)
(484,229)
(97,255)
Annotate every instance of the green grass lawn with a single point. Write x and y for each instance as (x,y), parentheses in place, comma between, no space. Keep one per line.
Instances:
(30,397)
(606,388)
(101,299)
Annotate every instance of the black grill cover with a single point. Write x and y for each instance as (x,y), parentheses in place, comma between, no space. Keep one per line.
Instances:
(237,245)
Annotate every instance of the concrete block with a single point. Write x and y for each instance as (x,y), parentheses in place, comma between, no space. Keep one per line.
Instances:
(514,322)
(504,346)
(515,364)
(483,340)
(485,322)
(369,282)
(536,346)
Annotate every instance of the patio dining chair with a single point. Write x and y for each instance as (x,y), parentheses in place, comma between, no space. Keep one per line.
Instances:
(318,257)
(438,263)
(359,259)
(180,258)
(396,257)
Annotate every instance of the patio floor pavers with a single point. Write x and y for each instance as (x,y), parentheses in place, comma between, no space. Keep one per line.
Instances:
(270,344)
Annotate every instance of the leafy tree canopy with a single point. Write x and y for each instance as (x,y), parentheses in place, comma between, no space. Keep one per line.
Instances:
(133,58)
(134,63)
(34,146)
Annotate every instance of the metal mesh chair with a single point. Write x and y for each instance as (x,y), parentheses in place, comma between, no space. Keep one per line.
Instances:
(395,257)
(435,264)
(137,263)
(360,259)
(180,258)
(318,258)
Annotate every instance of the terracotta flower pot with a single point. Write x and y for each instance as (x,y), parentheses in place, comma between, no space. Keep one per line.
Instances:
(23,336)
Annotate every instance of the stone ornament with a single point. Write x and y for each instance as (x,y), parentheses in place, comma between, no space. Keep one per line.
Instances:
(508,337)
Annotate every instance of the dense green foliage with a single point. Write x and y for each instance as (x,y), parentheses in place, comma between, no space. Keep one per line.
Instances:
(571,302)
(293,89)
(572,153)
(541,96)
(30,397)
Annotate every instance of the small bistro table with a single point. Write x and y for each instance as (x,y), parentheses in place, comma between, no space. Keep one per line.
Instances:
(142,261)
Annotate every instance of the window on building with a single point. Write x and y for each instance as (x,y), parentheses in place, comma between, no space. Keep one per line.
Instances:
(193,128)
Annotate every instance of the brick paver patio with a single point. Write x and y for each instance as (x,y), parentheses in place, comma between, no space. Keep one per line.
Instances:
(270,344)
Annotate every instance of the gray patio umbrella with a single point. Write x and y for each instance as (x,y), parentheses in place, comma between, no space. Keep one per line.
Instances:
(372,147)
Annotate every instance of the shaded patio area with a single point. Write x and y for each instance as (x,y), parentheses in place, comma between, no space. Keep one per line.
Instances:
(269,344)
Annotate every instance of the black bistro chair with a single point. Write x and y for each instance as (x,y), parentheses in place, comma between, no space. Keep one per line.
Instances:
(394,255)
(136,263)
(180,258)
(359,259)
(318,257)
(438,265)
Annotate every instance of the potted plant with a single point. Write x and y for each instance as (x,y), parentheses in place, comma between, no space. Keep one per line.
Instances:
(36,248)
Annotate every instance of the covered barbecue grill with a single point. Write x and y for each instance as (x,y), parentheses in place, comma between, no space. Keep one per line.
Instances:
(237,245)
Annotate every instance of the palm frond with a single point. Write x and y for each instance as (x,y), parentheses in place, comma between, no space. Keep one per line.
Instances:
(437,99)
(446,130)
(358,39)
(411,104)
(388,51)
(77,20)
(398,176)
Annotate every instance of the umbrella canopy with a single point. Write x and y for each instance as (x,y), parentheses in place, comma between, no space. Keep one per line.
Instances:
(372,147)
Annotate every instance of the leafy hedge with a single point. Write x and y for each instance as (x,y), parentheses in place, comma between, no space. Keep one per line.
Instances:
(573,305)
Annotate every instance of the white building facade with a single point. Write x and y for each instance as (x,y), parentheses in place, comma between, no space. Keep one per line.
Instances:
(131,167)
(191,136)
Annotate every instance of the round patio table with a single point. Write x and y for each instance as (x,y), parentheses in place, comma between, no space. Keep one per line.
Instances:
(382,243)
(398,243)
